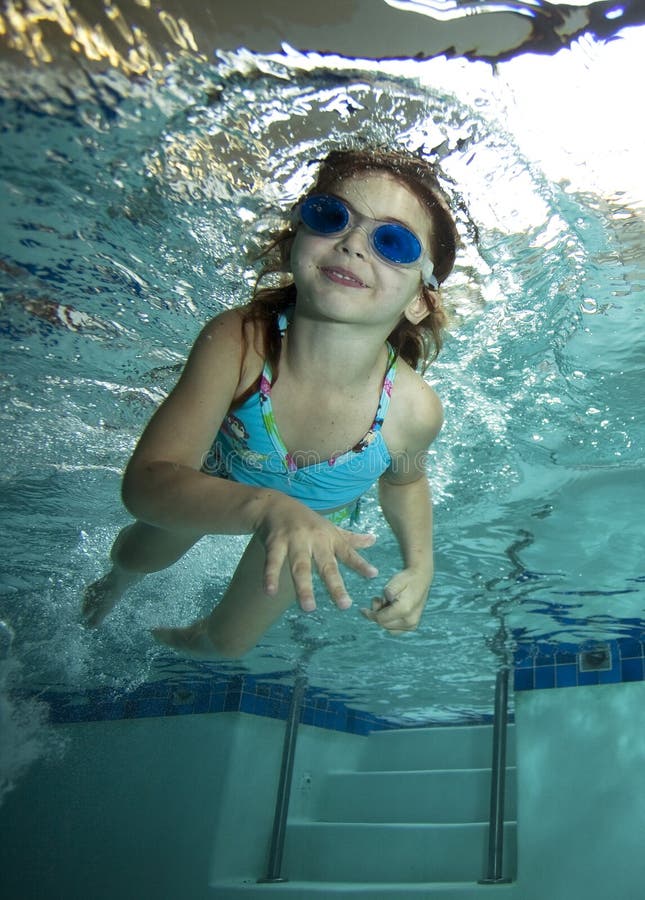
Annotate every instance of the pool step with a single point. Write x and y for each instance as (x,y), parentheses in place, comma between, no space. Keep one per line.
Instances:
(437,796)
(457,747)
(339,851)
(303,890)
(410,821)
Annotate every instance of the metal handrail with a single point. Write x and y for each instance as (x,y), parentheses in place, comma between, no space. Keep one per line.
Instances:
(498,783)
(276,849)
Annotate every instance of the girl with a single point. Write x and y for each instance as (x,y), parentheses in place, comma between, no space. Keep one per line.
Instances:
(291,407)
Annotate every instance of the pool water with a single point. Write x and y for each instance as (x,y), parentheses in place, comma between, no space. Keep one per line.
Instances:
(131,204)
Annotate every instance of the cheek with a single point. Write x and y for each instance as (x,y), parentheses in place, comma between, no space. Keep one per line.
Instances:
(406,283)
(293,252)
(300,250)
(305,251)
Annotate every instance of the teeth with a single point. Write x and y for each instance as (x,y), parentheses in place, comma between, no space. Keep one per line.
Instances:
(346,277)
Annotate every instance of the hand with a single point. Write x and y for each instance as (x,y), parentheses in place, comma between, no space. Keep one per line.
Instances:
(295,535)
(402,603)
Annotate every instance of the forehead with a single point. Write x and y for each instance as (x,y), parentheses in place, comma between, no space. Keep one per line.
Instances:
(381,196)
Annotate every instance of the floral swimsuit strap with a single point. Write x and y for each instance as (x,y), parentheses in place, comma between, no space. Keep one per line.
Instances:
(266,380)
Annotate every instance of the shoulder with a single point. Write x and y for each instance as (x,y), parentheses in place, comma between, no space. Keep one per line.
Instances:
(225,328)
(416,413)
(227,346)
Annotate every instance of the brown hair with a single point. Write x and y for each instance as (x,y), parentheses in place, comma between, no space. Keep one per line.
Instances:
(414,343)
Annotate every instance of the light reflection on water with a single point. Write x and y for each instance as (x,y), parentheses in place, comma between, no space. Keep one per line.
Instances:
(128,203)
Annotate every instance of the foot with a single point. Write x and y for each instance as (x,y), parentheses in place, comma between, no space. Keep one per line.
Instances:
(193,640)
(102,596)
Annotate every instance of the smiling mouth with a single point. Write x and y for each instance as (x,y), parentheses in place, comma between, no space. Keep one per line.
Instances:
(342,276)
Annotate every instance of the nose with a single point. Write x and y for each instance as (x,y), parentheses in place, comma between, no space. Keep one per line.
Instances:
(354,242)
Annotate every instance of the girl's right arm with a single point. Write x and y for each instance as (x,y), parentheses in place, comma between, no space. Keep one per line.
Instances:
(163,484)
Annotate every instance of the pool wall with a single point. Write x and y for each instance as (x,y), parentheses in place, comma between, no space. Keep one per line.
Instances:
(581,784)
(156,809)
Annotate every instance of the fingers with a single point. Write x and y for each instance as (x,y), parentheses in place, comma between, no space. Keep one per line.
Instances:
(355,561)
(327,564)
(302,579)
(301,554)
(299,563)
(358,538)
(349,557)
(391,615)
(333,581)
(276,553)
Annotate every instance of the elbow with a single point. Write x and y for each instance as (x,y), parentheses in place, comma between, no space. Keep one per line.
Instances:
(130,497)
(149,486)
(140,484)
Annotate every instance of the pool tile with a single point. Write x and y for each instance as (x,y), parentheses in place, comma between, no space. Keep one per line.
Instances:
(612,676)
(632,669)
(543,659)
(545,677)
(630,649)
(566,676)
(524,679)
(232,701)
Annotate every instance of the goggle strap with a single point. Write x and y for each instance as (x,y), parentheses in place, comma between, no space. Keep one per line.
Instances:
(427,274)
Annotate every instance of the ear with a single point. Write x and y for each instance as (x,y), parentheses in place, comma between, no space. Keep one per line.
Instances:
(416,310)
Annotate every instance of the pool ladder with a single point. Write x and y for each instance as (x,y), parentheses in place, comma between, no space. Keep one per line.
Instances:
(495,858)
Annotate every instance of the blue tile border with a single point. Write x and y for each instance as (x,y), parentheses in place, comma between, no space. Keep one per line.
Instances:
(542,665)
(537,666)
(219,693)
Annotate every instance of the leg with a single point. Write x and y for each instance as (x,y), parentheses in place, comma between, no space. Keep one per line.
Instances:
(138,549)
(241,617)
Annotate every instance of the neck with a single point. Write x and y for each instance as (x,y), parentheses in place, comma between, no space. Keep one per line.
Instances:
(333,353)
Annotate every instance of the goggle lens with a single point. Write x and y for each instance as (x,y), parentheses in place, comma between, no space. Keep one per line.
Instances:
(324,214)
(396,243)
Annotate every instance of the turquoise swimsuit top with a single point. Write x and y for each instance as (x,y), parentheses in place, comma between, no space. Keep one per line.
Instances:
(248,449)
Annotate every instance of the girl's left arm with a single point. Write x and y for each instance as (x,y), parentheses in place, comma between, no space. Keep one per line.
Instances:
(406,501)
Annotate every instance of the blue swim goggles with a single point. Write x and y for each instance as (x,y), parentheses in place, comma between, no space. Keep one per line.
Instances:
(395,244)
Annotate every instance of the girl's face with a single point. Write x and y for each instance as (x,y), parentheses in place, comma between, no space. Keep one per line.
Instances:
(342,274)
